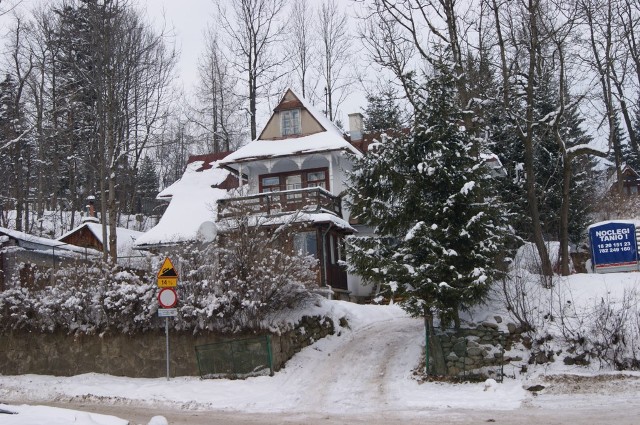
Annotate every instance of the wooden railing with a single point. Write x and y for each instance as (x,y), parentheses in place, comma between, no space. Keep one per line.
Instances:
(312,199)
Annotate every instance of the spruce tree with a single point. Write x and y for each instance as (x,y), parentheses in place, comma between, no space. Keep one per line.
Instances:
(382,112)
(146,187)
(429,197)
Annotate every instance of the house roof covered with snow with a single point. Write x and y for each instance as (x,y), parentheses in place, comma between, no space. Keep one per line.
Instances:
(193,203)
(295,217)
(125,237)
(321,135)
(36,243)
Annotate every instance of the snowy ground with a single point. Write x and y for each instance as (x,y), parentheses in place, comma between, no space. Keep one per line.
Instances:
(362,375)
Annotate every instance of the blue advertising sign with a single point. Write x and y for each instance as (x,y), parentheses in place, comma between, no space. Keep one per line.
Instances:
(614,247)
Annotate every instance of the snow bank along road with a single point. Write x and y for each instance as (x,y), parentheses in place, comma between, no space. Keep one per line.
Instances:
(363,375)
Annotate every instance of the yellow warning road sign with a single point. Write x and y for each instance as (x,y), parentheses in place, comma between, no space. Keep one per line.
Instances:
(167,275)
(167,269)
(167,282)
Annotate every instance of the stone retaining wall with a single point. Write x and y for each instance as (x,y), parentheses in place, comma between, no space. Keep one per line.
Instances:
(140,356)
(479,351)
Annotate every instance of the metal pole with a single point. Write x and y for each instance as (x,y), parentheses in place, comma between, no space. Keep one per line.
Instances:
(166,333)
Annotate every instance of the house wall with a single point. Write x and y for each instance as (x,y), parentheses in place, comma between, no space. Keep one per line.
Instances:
(84,238)
(308,125)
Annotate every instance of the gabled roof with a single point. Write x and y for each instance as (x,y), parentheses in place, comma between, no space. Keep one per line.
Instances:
(125,237)
(613,175)
(331,138)
(36,243)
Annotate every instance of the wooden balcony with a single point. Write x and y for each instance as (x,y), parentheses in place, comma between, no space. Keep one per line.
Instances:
(313,199)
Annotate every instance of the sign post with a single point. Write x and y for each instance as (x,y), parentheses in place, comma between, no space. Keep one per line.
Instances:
(167,298)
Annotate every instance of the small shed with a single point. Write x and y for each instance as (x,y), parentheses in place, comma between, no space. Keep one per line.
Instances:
(19,248)
(89,235)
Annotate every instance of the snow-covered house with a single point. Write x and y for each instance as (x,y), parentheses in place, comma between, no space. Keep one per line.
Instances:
(630,181)
(295,171)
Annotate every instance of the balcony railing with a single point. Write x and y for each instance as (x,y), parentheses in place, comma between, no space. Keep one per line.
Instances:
(312,199)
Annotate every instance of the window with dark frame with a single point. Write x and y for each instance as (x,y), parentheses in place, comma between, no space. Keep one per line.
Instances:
(317,179)
(291,181)
(305,243)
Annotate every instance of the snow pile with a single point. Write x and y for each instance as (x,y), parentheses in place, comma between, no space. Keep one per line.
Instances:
(527,256)
(38,415)
(193,202)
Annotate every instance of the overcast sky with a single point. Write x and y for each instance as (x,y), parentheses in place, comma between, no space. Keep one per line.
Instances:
(187,21)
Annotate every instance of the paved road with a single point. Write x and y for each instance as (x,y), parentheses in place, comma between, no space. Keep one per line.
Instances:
(522,416)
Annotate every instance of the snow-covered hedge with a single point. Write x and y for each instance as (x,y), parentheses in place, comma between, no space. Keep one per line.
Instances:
(84,299)
(235,286)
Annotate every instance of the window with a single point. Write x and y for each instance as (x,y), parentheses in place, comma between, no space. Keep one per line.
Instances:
(270,184)
(294,181)
(305,243)
(317,179)
(290,122)
(332,248)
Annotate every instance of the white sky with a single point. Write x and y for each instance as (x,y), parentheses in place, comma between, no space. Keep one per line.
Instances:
(187,20)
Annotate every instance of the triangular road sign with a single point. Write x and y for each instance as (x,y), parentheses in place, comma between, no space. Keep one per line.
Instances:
(167,269)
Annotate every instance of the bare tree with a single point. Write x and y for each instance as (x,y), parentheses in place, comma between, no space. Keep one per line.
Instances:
(18,144)
(253,30)
(219,111)
(599,17)
(301,48)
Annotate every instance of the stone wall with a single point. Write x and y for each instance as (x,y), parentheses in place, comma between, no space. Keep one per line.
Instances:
(479,351)
(141,356)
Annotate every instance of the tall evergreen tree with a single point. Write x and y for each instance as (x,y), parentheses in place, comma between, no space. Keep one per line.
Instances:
(429,198)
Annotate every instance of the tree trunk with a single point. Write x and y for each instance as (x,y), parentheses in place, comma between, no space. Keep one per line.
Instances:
(564,215)
(436,364)
(532,198)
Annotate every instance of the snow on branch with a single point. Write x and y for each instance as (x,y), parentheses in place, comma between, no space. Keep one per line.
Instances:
(16,140)
(585,149)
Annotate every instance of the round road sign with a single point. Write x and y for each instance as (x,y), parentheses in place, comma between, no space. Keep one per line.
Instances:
(167,298)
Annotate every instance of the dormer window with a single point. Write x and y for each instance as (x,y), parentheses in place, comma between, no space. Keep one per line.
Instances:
(290,123)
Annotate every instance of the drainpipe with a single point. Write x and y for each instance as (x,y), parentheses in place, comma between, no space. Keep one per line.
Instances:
(324,255)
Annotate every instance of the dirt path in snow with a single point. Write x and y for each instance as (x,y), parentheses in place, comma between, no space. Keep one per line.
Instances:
(361,363)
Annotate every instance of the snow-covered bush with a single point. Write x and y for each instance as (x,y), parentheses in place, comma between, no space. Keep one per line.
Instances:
(579,320)
(608,331)
(230,286)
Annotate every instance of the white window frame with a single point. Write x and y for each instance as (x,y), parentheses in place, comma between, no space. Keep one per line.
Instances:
(291,116)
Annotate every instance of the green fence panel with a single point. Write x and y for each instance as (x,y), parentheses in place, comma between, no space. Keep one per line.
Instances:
(238,358)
